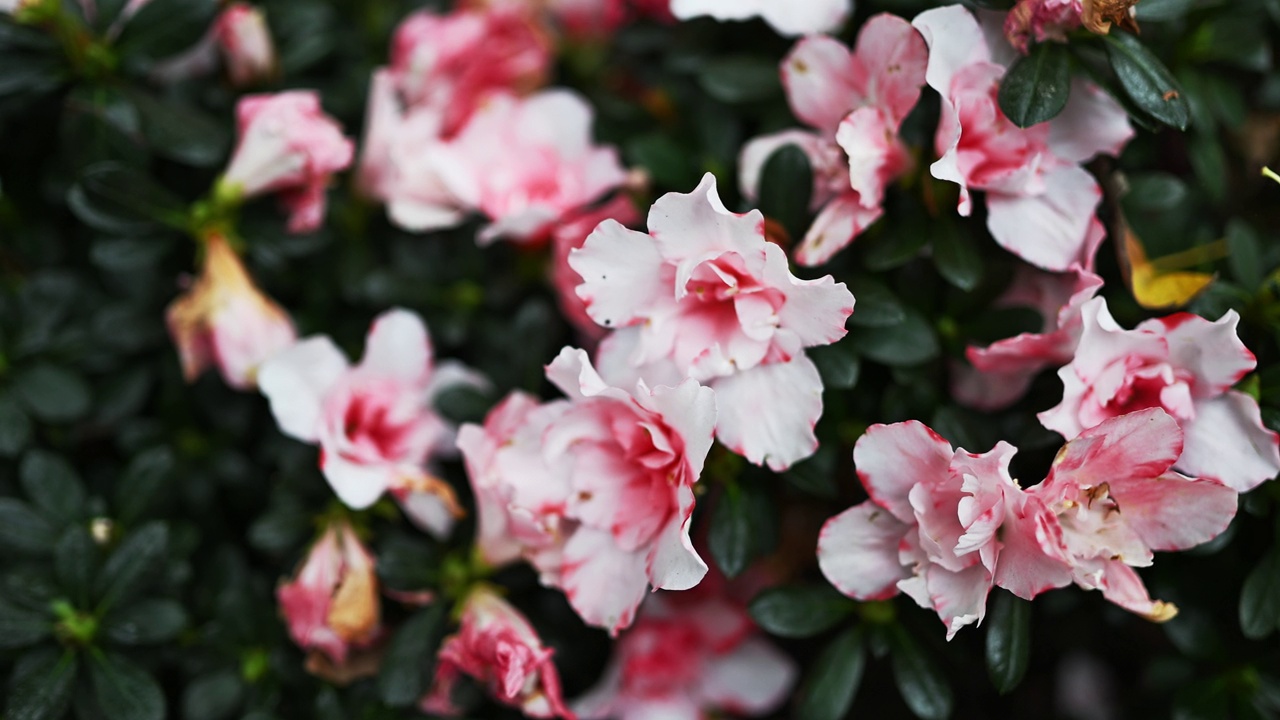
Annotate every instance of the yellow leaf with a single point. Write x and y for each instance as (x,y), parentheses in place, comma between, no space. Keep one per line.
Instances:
(1160,285)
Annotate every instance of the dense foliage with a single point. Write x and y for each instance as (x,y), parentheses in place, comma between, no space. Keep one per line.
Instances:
(151,515)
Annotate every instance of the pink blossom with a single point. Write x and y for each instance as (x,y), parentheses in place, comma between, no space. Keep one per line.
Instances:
(242,33)
(1185,365)
(224,320)
(596,490)
(1041,20)
(534,161)
(704,295)
(933,527)
(497,646)
(945,525)
(1115,500)
(569,236)
(856,102)
(451,63)
(690,657)
(794,17)
(1001,372)
(287,145)
(374,422)
(1040,202)
(331,606)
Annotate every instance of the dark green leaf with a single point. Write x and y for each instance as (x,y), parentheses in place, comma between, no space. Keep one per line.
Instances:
(116,198)
(145,622)
(910,342)
(832,682)
(786,186)
(142,480)
(1008,641)
(75,560)
(1245,254)
(741,78)
(53,485)
(900,243)
(20,627)
(875,304)
(956,256)
(730,536)
(179,131)
(41,686)
(1146,80)
(24,75)
(668,163)
(15,426)
(32,587)
(137,558)
(407,564)
(212,697)
(125,691)
(410,657)
(797,611)
(816,475)
(919,679)
(52,393)
(163,28)
(1260,598)
(22,530)
(1038,85)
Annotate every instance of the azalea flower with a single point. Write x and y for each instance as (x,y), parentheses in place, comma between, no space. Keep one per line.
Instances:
(704,295)
(224,320)
(1183,364)
(242,33)
(596,490)
(690,655)
(856,102)
(287,145)
(497,646)
(1000,373)
(794,17)
(374,422)
(331,606)
(1040,202)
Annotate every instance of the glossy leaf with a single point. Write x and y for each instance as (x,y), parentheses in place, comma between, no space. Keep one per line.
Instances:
(832,682)
(1008,641)
(1036,88)
(797,611)
(1146,80)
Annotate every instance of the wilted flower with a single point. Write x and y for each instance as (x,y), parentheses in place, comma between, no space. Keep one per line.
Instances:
(287,145)
(1041,20)
(224,320)
(704,295)
(374,422)
(497,646)
(596,491)
(331,606)
(1185,365)
(242,34)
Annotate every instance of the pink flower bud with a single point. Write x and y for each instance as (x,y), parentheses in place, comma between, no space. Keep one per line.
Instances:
(242,33)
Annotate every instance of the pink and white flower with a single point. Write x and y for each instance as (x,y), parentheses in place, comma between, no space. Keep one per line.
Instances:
(945,525)
(289,146)
(856,102)
(690,658)
(374,422)
(1041,20)
(1040,202)
(1115,500)
(497,646)
(704,295)
(332,605)
(942,525)
(569,236)
(450,64)
(242,33)
(1000,373)
(794,17)
(224,320)
(1185,365)
(596,490)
